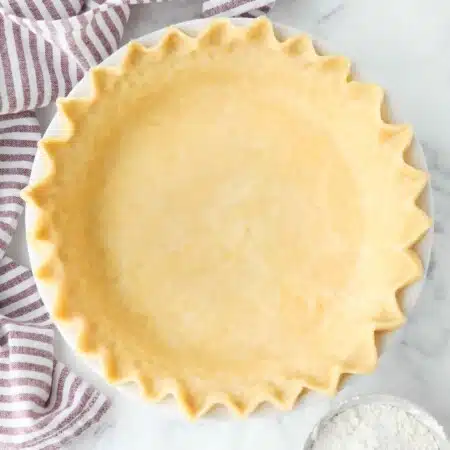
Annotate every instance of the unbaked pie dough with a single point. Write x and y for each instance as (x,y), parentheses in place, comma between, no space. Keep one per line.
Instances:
(229,218)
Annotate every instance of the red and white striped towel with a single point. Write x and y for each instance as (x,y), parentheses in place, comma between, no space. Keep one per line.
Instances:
(45,48)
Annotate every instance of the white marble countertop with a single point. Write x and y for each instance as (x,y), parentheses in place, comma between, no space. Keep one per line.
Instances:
(402,45)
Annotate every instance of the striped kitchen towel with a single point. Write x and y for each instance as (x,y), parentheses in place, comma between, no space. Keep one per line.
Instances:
(45,48)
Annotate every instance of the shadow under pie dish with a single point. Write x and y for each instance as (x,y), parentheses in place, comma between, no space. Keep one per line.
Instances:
(228,218)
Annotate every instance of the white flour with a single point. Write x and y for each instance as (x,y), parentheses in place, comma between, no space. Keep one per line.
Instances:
(376,426)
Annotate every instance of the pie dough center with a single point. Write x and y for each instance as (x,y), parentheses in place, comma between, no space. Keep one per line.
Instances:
(215,220)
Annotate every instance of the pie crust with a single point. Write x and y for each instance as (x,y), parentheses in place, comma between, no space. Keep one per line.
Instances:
(229,218)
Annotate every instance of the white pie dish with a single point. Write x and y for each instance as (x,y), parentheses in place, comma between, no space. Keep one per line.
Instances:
(82,89)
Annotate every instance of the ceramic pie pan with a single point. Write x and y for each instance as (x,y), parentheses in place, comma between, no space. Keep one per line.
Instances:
(416,158)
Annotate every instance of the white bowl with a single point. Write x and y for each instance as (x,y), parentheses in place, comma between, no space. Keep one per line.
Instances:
(421,415)
(83,89)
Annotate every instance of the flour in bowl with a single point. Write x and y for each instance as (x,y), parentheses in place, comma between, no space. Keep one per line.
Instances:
(376,426)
